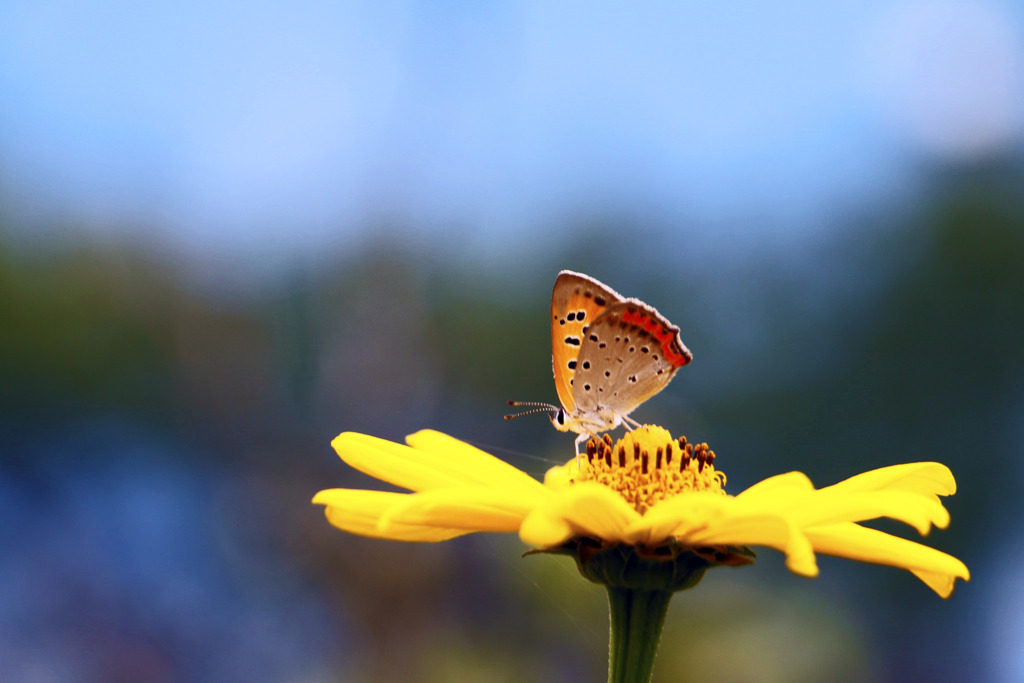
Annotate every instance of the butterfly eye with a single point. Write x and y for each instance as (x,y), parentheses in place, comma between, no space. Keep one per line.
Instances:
(560,416)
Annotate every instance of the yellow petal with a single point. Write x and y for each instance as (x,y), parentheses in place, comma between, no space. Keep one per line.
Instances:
(680,516)
(443,463)
(586,509)
(705,519)
(849,540)
(542,529)
(830,506)
(478,466)
(779,486)
(927,478)
(904,492)
(768,530)
(594,510)
(467,508)
(561,476)
(940,583)
(358,512)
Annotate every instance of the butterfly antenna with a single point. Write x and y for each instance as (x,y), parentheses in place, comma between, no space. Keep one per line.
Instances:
(537,407)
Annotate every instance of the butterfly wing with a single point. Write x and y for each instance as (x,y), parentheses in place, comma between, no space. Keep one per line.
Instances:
(629,353)
(576,302)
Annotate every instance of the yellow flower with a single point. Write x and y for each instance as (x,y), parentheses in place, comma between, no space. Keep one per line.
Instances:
(649,493)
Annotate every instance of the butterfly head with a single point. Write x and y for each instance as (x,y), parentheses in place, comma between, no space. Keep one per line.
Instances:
(558,419)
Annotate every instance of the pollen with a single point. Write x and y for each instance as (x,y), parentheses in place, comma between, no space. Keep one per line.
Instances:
(647,466)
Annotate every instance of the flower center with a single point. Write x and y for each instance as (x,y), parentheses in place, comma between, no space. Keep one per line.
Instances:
(647,465)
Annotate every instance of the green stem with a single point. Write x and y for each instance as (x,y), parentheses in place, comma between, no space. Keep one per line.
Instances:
(636,620)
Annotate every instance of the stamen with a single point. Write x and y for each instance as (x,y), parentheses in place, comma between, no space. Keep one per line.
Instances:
(650,475)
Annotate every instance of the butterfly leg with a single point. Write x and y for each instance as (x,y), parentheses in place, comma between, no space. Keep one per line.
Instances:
(582,438)
(629,423)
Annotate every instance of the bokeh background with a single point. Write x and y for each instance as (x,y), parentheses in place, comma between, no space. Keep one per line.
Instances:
(230,231)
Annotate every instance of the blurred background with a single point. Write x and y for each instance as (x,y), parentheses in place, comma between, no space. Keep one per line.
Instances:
(229,232)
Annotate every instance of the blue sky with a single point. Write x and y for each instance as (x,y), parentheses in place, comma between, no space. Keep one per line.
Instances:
(267,127)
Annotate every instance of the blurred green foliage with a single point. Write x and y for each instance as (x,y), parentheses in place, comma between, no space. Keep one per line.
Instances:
(84,330)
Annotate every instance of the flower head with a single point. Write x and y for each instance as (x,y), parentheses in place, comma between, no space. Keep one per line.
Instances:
(648,496)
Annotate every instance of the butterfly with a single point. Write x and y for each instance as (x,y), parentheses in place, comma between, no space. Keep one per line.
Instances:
(609,354)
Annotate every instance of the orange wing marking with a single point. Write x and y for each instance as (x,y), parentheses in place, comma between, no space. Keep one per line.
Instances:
(665,336)
(568,328)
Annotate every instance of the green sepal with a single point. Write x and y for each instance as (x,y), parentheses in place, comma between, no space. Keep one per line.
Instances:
(667,567)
